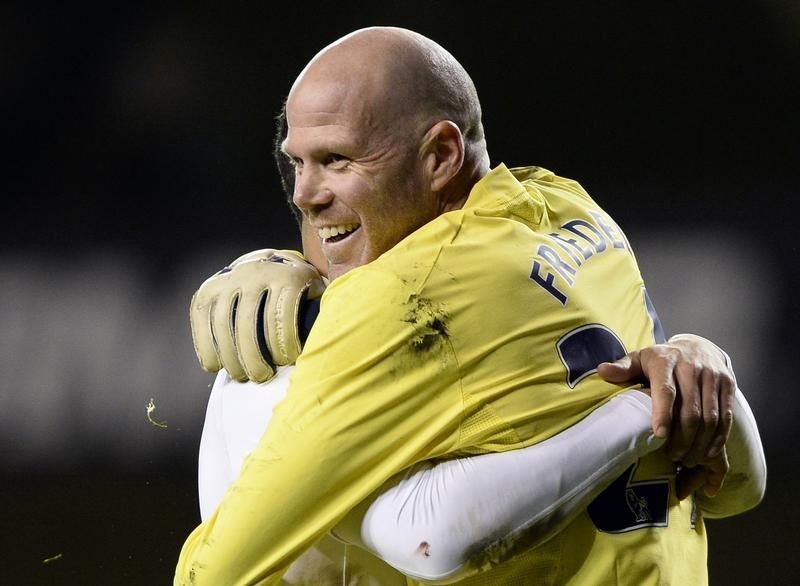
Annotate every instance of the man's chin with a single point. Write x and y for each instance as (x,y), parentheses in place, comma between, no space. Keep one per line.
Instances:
(337,269)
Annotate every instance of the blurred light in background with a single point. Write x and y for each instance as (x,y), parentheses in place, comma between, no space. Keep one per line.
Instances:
(86,342)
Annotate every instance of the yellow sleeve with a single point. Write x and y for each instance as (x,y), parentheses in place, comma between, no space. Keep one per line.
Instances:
(375,390)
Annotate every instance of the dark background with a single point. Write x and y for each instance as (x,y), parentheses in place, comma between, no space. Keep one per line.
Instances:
(136,161)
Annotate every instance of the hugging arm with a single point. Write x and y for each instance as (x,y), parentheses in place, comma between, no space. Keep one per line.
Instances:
(442,522)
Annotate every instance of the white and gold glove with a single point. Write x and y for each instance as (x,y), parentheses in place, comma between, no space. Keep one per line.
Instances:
(245,318)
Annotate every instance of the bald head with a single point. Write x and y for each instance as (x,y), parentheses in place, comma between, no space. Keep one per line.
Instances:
(395,80)
(384,132)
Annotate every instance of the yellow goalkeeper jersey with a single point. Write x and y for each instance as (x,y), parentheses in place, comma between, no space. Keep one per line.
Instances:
(479,332)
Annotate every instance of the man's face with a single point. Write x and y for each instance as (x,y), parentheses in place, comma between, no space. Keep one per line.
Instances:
(358,179)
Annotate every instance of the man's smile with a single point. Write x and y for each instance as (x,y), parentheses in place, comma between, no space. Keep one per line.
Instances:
(336,233)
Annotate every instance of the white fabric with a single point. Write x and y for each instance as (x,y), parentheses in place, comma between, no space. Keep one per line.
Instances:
(493,499)
(236,417)
(746,481)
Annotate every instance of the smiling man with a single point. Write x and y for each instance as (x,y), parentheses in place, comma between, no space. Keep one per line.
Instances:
(468,310)
(360,137)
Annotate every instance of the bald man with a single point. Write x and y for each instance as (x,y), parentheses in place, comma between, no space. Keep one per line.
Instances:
(420,351)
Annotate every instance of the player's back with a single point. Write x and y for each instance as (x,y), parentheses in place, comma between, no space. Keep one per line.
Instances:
(529,286)
(533,287)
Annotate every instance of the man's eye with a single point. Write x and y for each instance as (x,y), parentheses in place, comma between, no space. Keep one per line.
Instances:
(336,161)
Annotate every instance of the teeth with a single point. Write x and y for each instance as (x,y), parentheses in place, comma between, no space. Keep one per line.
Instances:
(330,231)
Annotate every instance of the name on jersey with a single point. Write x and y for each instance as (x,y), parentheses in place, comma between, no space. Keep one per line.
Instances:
(574,243)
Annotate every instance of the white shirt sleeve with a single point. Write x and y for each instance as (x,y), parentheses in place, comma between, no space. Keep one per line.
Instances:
(746,481)
(482,502)
(468,507)
(213,470)
(236,417)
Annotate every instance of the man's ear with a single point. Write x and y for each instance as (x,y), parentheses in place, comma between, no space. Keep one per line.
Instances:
(443,153)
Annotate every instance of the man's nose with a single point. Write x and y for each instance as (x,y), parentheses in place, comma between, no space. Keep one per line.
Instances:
(310,189)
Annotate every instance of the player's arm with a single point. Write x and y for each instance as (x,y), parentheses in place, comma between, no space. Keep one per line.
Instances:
(462,514)
(465,512)
(746,479)
(695,398)
(446,520)
(362,405)
(215,470)
(236,417)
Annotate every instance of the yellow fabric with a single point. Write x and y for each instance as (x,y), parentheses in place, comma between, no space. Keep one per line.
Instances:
(448,344)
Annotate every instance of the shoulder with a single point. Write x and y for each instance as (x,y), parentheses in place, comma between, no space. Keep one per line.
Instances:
(385,312)
(402,271)
(373,296)
(373,303)
(551,185)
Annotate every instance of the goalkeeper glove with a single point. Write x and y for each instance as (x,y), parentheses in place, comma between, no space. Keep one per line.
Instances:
(245,318)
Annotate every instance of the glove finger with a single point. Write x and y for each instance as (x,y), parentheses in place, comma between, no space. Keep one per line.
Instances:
(315,288)
(281,317)
(315,283)
(222,324)
(202,335)
(254,354)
